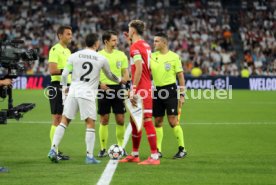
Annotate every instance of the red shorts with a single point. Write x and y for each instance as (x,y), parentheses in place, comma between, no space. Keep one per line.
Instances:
(147,102)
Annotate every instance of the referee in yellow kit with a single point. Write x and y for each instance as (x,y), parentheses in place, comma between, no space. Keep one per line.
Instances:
(108,94)
(58,56)
(166,66)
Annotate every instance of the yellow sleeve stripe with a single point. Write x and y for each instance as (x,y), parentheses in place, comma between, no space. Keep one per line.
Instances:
(69,67)
(137,57)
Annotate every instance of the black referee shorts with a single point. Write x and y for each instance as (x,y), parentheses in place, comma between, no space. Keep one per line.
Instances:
(55,97)
(165,99)
(112,98)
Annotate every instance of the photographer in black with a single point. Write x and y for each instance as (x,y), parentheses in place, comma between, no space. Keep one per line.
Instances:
(5,82)
(13,60)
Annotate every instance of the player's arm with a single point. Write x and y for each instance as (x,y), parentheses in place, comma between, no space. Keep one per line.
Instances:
(125,74)
(124,70)
(138,72)
(181,80)
(67,70)
(53,69)
(137,77)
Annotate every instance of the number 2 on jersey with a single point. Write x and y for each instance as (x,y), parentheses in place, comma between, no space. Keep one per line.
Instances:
(86,65)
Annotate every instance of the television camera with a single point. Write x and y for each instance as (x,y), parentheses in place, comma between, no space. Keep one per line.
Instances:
(12,63)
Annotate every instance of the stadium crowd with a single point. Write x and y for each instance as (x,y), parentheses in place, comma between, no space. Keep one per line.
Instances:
(258,33)
(199,30)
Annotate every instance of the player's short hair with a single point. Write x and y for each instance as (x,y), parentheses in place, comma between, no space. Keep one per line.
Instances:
(162,35)
(138,25)
(91,39)
(61,29)
(107,35)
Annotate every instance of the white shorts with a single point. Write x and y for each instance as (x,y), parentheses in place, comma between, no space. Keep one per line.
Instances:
(87,108)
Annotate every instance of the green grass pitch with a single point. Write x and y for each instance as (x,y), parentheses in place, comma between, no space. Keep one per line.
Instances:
(228,142)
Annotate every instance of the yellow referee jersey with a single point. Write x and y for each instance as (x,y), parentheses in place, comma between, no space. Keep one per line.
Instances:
(164,67)
(117,61)
(58,54)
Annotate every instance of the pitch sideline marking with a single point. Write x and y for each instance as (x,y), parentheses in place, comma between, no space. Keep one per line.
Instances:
(111,166)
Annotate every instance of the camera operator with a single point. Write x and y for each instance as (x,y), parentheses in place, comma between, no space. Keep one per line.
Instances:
(5,82)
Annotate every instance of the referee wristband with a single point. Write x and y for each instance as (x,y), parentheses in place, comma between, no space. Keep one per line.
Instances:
(61,70)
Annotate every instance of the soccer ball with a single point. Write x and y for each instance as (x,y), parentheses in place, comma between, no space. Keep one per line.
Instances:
(115,152)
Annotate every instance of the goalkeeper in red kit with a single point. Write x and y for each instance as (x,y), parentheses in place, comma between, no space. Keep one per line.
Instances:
(140,53)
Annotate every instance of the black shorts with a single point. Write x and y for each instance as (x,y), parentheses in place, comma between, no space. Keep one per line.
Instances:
(110,99)
(55,97)
(165,99)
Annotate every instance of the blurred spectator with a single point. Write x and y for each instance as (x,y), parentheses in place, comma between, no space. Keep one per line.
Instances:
(196,71)
(245,73)
(199,31)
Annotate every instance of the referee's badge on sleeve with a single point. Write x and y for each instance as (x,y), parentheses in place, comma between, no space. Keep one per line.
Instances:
(167,66)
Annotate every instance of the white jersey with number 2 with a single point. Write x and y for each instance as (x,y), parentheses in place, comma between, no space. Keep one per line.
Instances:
(86,66)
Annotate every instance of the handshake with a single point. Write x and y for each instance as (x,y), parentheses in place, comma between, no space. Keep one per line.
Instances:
(125,83)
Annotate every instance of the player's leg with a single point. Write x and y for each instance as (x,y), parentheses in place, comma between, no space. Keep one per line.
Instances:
(88,113)
(90,141)
(70,110)
(55,97)
(177,129)
(120,128)
(59,133)
(151,133)
(104,108)
(119,110)
(136,139)
(158,114)
(103,134)
(56,118)
(158,121)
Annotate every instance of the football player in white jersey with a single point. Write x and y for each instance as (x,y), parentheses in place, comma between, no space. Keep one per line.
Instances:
(85,66)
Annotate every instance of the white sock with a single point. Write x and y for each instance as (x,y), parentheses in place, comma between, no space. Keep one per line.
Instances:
(58,135)
(135,153)
(90,141)
(154,156)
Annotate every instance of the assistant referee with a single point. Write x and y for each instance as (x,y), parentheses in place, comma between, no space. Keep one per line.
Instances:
(58,56)
(165,66)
